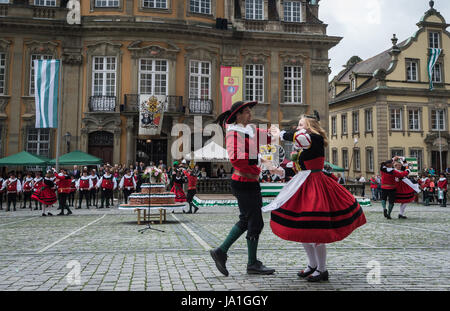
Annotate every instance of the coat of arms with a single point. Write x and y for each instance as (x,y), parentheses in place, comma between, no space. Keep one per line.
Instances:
(151,112)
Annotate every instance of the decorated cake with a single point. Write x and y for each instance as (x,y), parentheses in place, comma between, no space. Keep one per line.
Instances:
(152,195)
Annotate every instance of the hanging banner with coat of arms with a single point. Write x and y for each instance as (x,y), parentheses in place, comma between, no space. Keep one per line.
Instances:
(151,110)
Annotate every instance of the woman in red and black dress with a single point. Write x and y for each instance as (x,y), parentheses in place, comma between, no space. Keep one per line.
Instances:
(46,194)
(312,208)
(405,190)
(178,181)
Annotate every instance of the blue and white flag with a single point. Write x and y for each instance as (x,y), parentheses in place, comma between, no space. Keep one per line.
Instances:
(434,55)
(46,81)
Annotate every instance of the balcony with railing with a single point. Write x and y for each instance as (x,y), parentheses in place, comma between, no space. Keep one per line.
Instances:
(200,106)
(27,10)
(102,103)
(172,104)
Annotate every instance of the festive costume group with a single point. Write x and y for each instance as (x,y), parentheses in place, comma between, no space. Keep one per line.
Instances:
(107,183)
(242,146)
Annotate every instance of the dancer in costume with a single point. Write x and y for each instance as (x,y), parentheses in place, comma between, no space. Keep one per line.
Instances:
(45,194)
(94,190)
(108,184)
(405,189)
(38,183)
(424,183)
(389,185)
(64,189)
(243,141)
(13,187)
(2,192)
(192,177)
(442,186)
(84,186)
(312,208)
(178,181)
(27,189)
(127,184)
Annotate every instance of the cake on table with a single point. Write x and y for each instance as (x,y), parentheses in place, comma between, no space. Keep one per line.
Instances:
(153,195)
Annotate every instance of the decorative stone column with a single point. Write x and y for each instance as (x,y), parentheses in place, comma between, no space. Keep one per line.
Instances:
(130,142)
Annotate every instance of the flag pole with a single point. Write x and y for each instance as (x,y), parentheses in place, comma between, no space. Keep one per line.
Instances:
(58,130)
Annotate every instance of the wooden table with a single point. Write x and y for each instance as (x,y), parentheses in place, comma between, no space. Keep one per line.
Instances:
(148,216)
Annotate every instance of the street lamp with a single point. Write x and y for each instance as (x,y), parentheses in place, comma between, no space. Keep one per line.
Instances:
(67,138)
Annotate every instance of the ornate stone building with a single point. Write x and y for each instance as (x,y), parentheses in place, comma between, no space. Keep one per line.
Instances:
(173,48)
(382,106)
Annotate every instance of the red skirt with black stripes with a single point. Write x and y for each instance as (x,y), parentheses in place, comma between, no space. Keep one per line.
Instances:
(320,211)
(177,189)
(404,193)
(44,195)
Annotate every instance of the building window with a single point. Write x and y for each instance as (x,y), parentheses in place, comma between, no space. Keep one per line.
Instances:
(370,160)
(35,57)
(2,73)
(200,6)
(396,119)
(254,83)
(333,126)
(412,70)
(368,120)
(414,119)
(38,141)
(293,84)
(353,84)
(437,120)
(104,76)
(355,122)
(434,41)
(344,123)
(417,153)
(44,2)
(292,11)
(254,9)
(436,75)
(396,152)
(334,156)
(106,3)
(4,1)
(199,80)
(155,4)
(153,76)
(357,156)
(345,158)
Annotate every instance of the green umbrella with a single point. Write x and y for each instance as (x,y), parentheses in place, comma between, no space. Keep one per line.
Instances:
(24,158)
(77,158)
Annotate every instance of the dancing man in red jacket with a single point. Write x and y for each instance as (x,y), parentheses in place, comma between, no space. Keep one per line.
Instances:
(389,185)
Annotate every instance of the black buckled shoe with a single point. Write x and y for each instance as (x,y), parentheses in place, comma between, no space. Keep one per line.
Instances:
(322,276)
(402,217)
(304,274)
(259,268)
(220,258)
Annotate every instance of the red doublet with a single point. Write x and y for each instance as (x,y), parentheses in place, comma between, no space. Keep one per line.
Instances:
(128,182)
(84,184)
(11,187)
(243,150)
(192,180)
(64,183)
(107,182)
(27,186)
(373,183)
(442,185)
(388,181)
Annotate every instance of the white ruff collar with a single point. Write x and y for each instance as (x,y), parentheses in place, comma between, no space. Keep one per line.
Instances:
(442,179)
(249,130)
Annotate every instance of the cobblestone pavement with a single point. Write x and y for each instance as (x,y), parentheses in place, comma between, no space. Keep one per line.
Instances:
(45,253)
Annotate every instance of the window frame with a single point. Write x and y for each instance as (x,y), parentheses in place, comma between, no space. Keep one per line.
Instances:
(408,62)
(38,141)
(107,6)
(254,11)
(366,120)
(357,160)
(433,73)
(433,113)
(3,67)
(104,79)
(291,15)
(45,3)
(199,78)
(153,74)
(370,163)
(190,5)
(292,87)
(431,41)
(253,78)
(333,126)
(345,158)
(344,128)
(400,119)
(334,156)
(419,127)
(355,119)
(419,159)
(155,8)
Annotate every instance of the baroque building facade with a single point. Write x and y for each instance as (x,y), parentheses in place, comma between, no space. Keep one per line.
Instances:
(172,48)
(383,106)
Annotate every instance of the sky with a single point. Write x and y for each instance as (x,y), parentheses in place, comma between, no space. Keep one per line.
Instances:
(367,26)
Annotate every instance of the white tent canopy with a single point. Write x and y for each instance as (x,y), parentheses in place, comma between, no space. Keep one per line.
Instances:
(212,152)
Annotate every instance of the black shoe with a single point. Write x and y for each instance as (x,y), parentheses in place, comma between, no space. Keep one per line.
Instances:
(220,258)
(304,274)
(388,217)
(195,209)
(78,207)
(259,268)
(385,212)
(69,212)
(60,214)
(43,214)
(49,214)
(402,217)
(323,276)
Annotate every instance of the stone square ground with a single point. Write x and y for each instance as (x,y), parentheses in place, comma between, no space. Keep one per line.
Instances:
(104,246)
